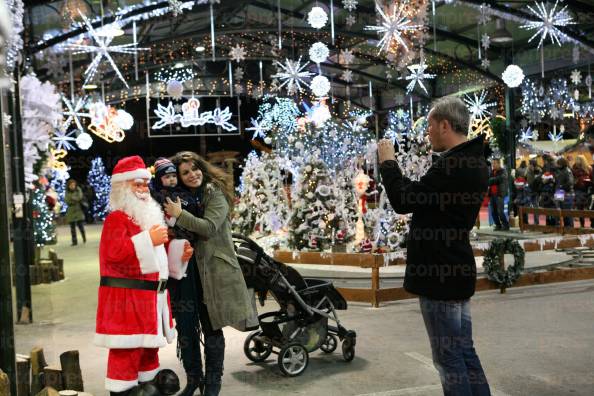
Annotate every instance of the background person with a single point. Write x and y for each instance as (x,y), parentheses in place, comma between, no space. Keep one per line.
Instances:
(497,193)
(75,215)
(440,265)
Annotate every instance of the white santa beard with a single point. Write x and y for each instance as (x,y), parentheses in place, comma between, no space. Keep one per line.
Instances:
(145,213)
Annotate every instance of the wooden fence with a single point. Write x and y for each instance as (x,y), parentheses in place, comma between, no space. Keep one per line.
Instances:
(376,295)
(559,215)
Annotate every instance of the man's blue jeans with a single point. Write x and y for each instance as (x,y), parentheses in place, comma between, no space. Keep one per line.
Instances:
(449,327)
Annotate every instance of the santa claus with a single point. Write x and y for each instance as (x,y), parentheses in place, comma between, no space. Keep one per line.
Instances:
(133,314)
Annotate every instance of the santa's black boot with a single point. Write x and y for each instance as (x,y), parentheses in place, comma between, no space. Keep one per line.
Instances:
(214,355)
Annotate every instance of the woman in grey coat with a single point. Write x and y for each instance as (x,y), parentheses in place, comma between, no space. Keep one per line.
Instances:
(213,294)
(75,214)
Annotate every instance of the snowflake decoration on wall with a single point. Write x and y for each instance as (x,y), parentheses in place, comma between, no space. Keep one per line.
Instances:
(350,20)
(258,127)
(350,5)
(347,75)
(416,76)
(292,75)
(576,77)
(393,26)
(62,139)
(320,86)
(527,135)
(547,25)
(319,52)
(477,104)
(317,18)
(346,57)
(555,136)
(102,50)
(237,53)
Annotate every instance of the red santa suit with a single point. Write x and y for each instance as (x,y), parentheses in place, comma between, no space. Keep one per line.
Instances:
(131,322)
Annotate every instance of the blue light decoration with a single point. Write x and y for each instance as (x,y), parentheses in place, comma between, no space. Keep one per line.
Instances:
(58,184)
(399,125)
(278,116)
(100,182)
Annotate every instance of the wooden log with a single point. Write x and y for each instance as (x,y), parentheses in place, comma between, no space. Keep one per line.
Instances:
(4,384)
(71,373)
(52,377)
(37,365)
(23,366)
(47,391)
(61,268)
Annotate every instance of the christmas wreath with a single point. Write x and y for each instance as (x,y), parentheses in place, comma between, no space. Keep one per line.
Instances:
(492,261)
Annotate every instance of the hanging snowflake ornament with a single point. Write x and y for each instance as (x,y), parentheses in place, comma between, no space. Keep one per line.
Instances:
(477,104)
(485,41)
(84,141)
(485,63)
(74,111)
(350,20)
(393,26)
(485,14)
(292,74)
(319,52)
(350,5)
(347,75)
(346,57)
(576,77)
(320,86)
(259,129)
(237,53)
(54,65)
(102,49)
(238,74)
(548,22)
(575,54)
(513,76)
(417,76)
(555,113)
(317,18)
(62,139)
(175,6)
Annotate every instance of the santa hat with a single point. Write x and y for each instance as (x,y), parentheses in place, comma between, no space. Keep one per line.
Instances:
(130,168)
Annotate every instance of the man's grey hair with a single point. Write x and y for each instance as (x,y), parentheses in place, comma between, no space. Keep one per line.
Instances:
(453,110)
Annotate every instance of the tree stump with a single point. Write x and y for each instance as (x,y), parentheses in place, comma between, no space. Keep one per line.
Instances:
(4,384)
(71,373)
(37,365)
(23,367)
(68,393)
(48,391)
(52,377)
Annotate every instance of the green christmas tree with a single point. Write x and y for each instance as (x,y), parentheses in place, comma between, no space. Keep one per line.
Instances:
(44,228)
(314,220)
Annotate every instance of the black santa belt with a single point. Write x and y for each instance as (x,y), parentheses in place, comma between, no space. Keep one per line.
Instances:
(159,286)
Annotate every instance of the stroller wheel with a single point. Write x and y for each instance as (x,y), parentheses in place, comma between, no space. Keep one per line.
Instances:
(293,359)
(256,350)
(348,350)
(330,344)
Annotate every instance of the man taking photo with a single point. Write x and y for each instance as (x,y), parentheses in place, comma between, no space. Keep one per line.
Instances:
(441,268)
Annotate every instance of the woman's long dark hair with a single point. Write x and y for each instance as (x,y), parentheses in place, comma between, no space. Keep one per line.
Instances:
(210,173)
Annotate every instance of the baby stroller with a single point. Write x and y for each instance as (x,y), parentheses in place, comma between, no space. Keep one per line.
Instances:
(306,306)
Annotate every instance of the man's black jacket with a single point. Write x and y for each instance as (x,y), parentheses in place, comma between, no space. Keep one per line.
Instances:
(445,203)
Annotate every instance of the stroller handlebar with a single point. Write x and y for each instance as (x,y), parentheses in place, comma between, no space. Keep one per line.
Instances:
(253,245)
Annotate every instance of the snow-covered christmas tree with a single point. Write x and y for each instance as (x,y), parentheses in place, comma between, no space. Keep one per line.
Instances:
(263,205)
(100,182)
(44,228)
(314,219)
(346,207)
